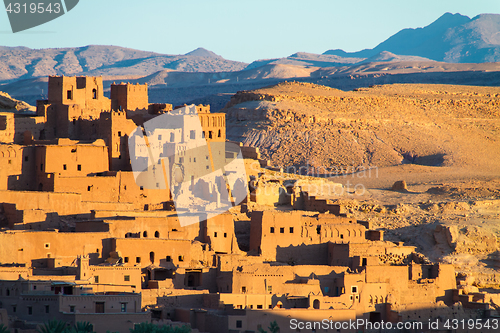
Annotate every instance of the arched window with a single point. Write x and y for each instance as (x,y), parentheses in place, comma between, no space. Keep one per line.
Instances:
(94,93)
(157,234)
(145,234)
(152,257)
(316,304)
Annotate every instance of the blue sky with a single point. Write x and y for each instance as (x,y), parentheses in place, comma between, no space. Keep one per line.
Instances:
(238,29)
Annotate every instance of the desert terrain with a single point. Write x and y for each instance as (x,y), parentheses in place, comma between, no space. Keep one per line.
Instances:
(443,141)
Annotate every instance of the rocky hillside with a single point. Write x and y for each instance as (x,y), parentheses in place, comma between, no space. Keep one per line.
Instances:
(9,104)
(298,124)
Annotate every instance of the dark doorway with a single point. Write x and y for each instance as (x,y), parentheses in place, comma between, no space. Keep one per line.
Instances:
(99,307)
(375,317)
(193,278)
(68,290)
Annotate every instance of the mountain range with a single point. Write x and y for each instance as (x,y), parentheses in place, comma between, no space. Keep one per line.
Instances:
(454,49)
(23,63)
(451,38)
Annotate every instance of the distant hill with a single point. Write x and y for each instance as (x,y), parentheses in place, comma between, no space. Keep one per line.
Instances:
(201,52)
(308,59)
(451,38)
(25,63)
(385,56)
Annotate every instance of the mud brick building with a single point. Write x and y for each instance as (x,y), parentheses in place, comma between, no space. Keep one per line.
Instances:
(82,241)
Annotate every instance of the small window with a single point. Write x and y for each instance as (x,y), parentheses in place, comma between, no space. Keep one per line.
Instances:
(46,245)
(145,234)
(225,235)
(159,137)
(41,167)
(47,309)
(94,93)
(168,259)
(125,259)
(192,135)
(243,289)
(209,134)
(157,234)
(341,236)
(271,230)
(142,188)
(291,230)
(269,289)
(239,324)
(259,306)
(282,230)
(26,158)
(126,278)
(123,307)
(172,137)
(14,307)
(354,289)
(119,133)
(181,258)
(138,260)
(72,308)
(215,234)
(30,310)
(65,167)
(69,94)
(79,167)
(219,135)
(181,159)
(89,188)
(96,279)
(203,134)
